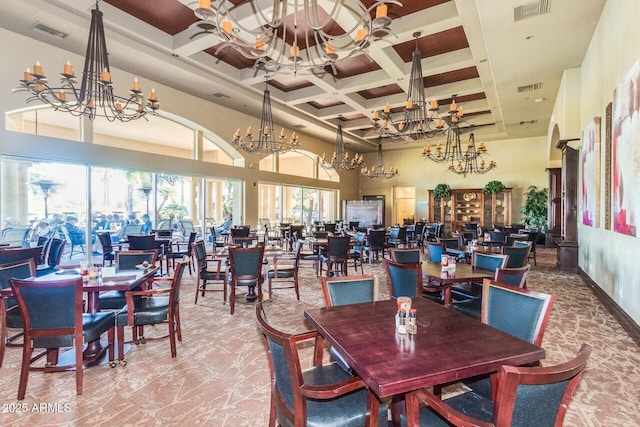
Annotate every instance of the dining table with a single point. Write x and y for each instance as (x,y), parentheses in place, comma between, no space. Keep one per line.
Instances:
(447,346)
(433,272)
(122,280)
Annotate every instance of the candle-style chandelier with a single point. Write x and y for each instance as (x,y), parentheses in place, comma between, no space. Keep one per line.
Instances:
(265,143)
(378,170)
(419,118)
(463,158)
(340,159)
(298,35)
(472,165)
(94,97)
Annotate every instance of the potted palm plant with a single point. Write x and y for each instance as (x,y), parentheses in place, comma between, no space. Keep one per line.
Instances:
(534,210)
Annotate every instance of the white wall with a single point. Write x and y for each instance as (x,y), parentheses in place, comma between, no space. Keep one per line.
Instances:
(609,258)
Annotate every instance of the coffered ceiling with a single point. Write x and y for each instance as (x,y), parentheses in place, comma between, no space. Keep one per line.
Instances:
(502,58)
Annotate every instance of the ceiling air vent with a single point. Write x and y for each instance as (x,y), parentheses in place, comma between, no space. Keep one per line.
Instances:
(530,10)
(51,32)
(529,87)
(528,122)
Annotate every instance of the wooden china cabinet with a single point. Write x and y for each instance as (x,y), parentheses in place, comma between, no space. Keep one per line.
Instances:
(467,205)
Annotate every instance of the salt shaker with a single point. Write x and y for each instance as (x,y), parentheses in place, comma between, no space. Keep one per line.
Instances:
(412,325)
(402,324)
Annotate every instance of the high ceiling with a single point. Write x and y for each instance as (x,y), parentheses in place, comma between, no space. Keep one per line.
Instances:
(502,58)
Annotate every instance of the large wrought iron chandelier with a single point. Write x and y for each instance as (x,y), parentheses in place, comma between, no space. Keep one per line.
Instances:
(95,96)
(453,149)
(473,165)
(294,35)
(265,142)
(378,170)
(340,159)
(419,118)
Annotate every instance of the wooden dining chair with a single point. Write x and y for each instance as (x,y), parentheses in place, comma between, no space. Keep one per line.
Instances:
(405,280)
(153,307)
(245,269)
(284,269)
(517,255)
(10,316)
(336,257)
(125,260)
(519,312)
(323,395)
(468,296)
(53,318)
(209,268)
(405,256)
(536,396)
(516,276)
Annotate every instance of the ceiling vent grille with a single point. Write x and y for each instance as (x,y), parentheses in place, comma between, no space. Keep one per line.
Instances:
(530,10)
(51,32)
(530,87)
(528,122)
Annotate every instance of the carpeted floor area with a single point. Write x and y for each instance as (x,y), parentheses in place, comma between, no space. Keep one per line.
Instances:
(221,378)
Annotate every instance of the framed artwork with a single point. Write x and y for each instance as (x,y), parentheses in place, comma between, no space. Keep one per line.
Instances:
(591,173)
(607,167)
(626,153)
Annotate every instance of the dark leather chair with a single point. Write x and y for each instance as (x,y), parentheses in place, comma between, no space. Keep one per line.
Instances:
(108,253)
(20,254)
(467,298)
(348,290)
(519,312)
(532,236)
(405,280)
(436,250)
(53,318)
(453,243)
(517,255)
(125,260)
(375,244)
(418,235)
(405,256)
(152,307)
(525,396)
(336,256)
(54,255)
(208,269)
(178,250)
(284,268)
(356,253)
(397,237)
(245,269)
(323,395)
(513,276)
(10,316)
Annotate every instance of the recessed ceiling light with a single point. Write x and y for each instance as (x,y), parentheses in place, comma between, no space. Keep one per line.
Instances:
(540,99)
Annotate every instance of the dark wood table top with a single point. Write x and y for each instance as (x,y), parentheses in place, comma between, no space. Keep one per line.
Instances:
(463,273)
(449,346)
(123,280)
